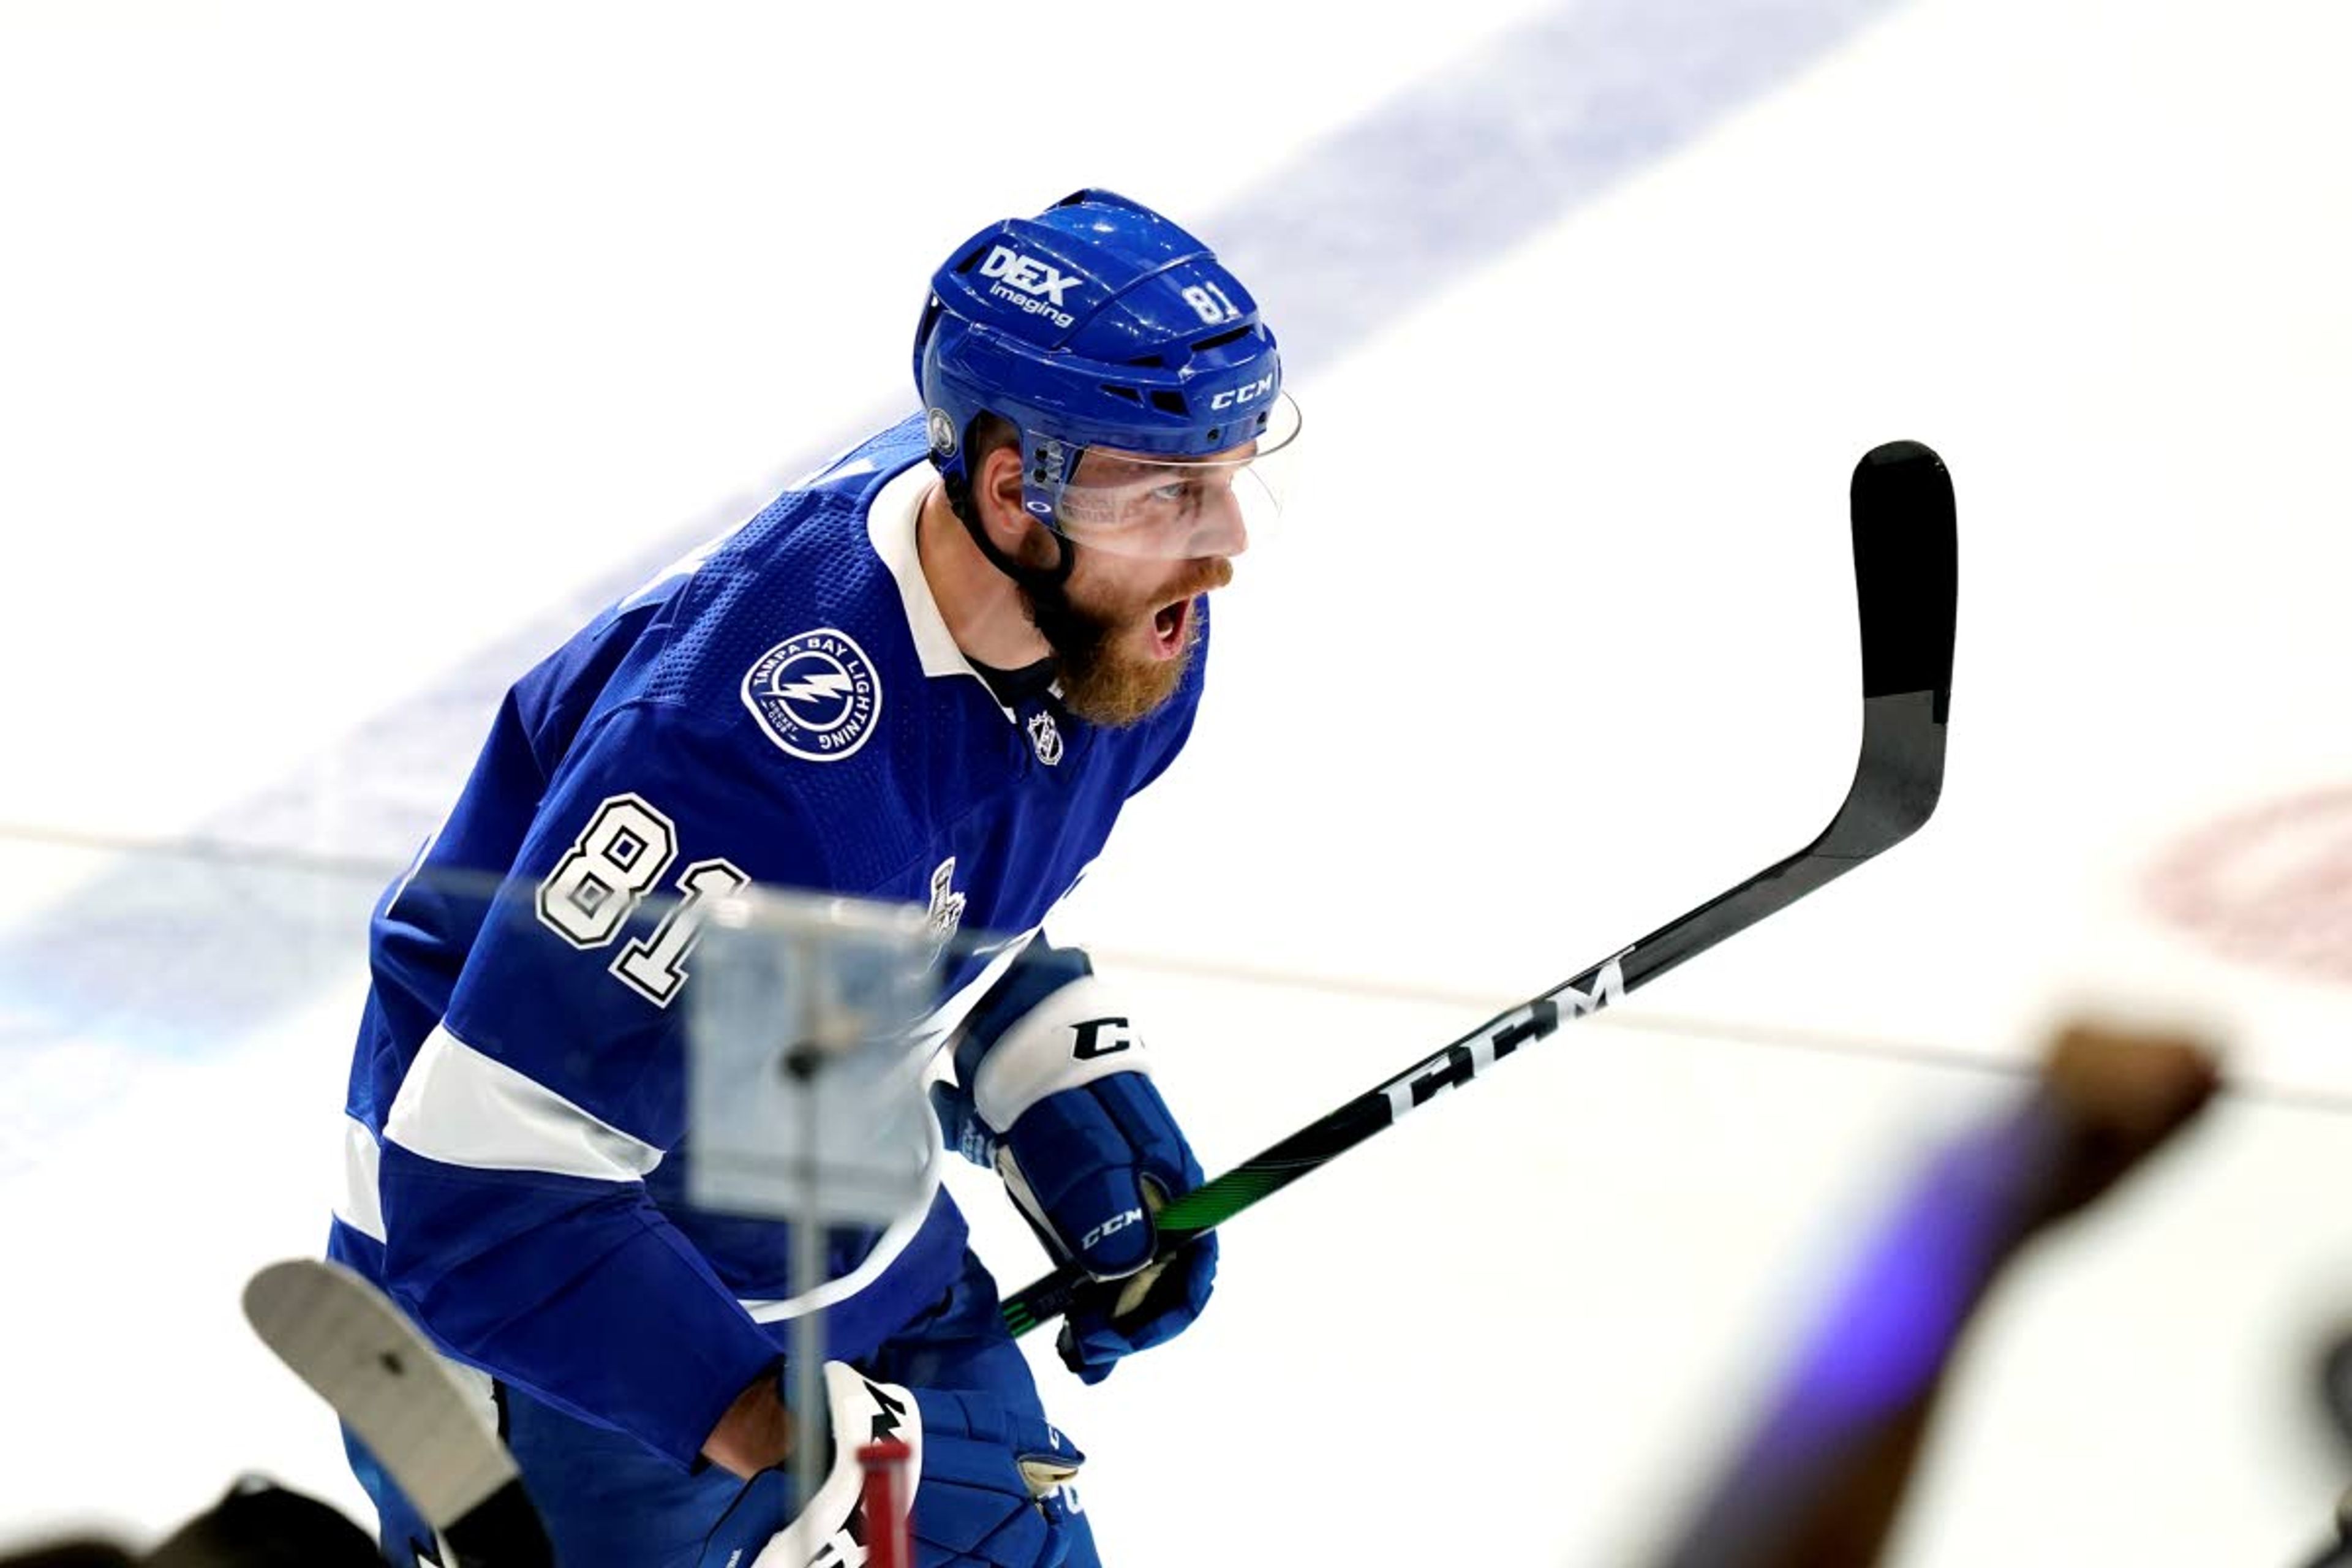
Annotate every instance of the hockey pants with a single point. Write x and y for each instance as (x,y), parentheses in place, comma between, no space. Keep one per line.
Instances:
(609,1502)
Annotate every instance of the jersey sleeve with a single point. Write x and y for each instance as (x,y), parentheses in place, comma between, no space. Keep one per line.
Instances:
(518,1224)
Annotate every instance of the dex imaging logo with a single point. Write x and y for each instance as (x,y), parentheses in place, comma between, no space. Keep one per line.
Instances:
(817,695)
(1028,284)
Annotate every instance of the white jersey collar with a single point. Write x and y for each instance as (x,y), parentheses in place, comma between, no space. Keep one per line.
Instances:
(892,523)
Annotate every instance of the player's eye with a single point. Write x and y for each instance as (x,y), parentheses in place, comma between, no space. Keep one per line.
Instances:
(1186,495)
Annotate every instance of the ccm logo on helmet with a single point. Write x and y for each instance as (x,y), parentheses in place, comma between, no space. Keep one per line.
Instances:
(1236,396)
(1042,283)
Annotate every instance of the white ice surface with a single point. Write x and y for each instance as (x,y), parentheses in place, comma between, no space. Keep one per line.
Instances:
(315,337)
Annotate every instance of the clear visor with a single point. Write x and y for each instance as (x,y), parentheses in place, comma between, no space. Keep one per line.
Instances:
(1180,509)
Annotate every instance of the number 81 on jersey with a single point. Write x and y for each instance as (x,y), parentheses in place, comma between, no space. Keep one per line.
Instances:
(624,851)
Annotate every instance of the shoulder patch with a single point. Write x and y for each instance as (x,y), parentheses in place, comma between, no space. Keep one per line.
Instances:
(817,695)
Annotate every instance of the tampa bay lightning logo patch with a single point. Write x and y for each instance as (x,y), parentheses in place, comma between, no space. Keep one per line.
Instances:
(817,695)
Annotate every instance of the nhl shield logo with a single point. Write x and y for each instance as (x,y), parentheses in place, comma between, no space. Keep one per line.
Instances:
(1045,736)
(817,695)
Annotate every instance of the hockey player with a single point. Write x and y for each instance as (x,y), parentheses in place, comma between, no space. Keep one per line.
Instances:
(933,672)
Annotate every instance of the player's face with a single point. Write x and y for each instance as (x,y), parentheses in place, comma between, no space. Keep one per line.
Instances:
(1126,621)
(1163,509)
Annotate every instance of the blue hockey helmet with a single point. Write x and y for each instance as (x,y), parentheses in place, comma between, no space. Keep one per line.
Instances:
(1100,325)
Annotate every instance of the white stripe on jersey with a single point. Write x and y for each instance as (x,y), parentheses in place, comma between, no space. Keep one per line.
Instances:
(886,1248)
(363,1205)
(462,1107)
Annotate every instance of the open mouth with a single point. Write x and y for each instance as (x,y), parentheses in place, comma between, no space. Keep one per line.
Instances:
(1169,627)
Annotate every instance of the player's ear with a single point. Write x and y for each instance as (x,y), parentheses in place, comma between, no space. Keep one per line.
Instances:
(996,493)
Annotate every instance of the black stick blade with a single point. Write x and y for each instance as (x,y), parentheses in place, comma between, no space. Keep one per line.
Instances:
(1907,587)
(1906,572)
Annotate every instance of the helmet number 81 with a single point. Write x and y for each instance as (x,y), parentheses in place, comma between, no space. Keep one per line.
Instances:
(1210,303)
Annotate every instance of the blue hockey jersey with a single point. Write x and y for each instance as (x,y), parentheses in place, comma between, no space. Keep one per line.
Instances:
(788,709)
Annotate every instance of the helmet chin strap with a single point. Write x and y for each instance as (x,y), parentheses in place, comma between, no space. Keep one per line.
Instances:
(1036,579)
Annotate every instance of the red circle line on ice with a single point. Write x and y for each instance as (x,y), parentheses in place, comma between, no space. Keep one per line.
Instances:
(2270,887)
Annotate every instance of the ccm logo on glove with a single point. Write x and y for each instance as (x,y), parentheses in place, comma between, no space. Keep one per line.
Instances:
(1111,1227)
(1060,1102)
(1100,1038)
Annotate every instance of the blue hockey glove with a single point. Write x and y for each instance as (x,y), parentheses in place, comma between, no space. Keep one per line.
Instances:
(1060,1102)
(988,1486)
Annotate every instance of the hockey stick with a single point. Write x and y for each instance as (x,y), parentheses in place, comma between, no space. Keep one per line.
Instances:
(341,1336)
(1905,575)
